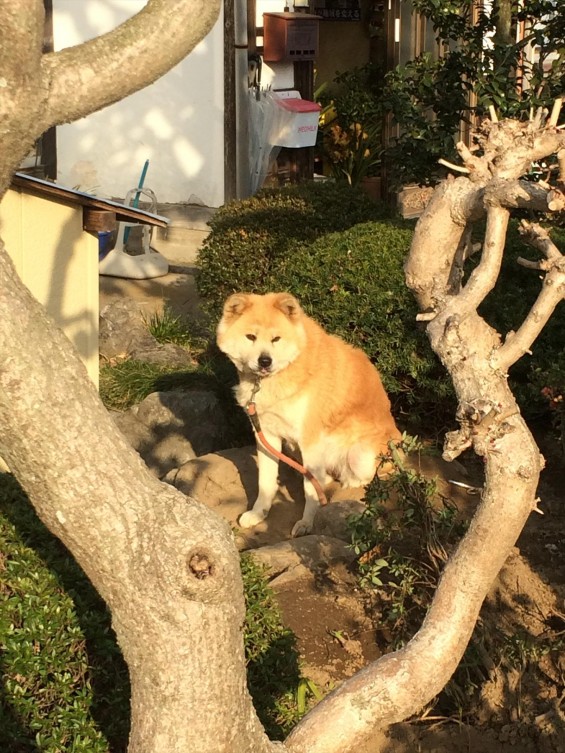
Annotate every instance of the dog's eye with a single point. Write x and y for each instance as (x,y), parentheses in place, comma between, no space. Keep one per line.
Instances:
(275,339)
(251,337)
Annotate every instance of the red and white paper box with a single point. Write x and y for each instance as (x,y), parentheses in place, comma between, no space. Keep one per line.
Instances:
(297,121)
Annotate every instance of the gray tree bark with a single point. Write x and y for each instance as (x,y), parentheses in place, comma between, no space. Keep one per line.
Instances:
(166,565)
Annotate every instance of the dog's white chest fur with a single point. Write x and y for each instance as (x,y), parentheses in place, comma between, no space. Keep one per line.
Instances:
(279,416)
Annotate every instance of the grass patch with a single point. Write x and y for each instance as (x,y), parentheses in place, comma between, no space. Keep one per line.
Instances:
(168,327)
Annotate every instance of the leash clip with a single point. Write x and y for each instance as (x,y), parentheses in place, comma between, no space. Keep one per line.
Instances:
(251,408)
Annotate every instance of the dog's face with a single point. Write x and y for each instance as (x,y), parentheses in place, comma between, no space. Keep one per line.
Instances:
(261,334)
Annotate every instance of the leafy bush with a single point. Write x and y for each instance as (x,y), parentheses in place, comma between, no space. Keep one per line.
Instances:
(65,685)
(353,284)
(430,95)
(350,280)
(350,135)
(251,238)
(63,682)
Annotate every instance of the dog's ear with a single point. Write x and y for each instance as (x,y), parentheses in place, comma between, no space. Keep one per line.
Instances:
(288,305)
(235,305)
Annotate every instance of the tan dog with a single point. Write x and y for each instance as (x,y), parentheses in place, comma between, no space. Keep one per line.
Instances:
(315,391)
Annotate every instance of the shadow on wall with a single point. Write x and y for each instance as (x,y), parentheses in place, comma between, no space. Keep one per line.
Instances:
(176,123)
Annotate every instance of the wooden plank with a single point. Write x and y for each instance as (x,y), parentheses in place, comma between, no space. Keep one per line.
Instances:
(40,187)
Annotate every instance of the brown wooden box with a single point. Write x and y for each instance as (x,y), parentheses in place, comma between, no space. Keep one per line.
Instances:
(289,37)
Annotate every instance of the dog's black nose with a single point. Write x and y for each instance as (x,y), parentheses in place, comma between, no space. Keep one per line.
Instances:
(264,361)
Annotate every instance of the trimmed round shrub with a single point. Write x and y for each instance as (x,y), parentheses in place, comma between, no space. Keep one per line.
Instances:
(352,283)
(251,238)
(342,256)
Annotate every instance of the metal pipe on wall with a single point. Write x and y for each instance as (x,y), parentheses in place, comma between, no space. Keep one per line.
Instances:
(241,85)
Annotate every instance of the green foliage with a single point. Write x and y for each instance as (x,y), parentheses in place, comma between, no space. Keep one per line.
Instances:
(350,135)
(273,673)
(64,685)
(250,239)
(350,280)
(355,96)
(428,97)
(353,284)
(402,540)
(129,382)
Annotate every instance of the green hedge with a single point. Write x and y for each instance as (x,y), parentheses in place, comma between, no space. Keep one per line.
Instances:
(342,256)
(251,238)
(64,685)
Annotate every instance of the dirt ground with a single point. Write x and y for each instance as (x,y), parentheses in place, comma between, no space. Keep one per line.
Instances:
(518,704)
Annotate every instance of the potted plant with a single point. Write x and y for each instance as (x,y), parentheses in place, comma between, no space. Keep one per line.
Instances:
(350,127)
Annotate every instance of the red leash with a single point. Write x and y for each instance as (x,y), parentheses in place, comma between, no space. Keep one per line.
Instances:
(251,410)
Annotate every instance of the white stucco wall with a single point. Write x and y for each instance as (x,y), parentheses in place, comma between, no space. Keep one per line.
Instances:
(177,123)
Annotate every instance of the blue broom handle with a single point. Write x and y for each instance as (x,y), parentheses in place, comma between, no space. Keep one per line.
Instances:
(137,196)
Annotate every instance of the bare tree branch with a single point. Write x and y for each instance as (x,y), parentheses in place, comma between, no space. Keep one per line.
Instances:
(552,292)
(484,276)
(83,79)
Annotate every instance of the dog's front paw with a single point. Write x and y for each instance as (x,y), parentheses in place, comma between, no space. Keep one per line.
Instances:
(301,528)
(251,518)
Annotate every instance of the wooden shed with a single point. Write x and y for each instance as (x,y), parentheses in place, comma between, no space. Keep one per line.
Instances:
(51,233)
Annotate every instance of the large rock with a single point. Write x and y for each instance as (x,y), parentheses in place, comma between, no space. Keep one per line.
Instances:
(170,428)
(305,557)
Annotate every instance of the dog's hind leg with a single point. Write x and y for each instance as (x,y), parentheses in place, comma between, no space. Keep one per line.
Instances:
(362,463)
(268,483)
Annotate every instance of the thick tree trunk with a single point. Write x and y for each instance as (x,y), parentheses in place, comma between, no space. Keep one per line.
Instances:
(167,566)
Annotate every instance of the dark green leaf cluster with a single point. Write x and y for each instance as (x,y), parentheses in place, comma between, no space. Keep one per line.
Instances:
(479,63)
(251,238)
(64,684)
(338,255)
